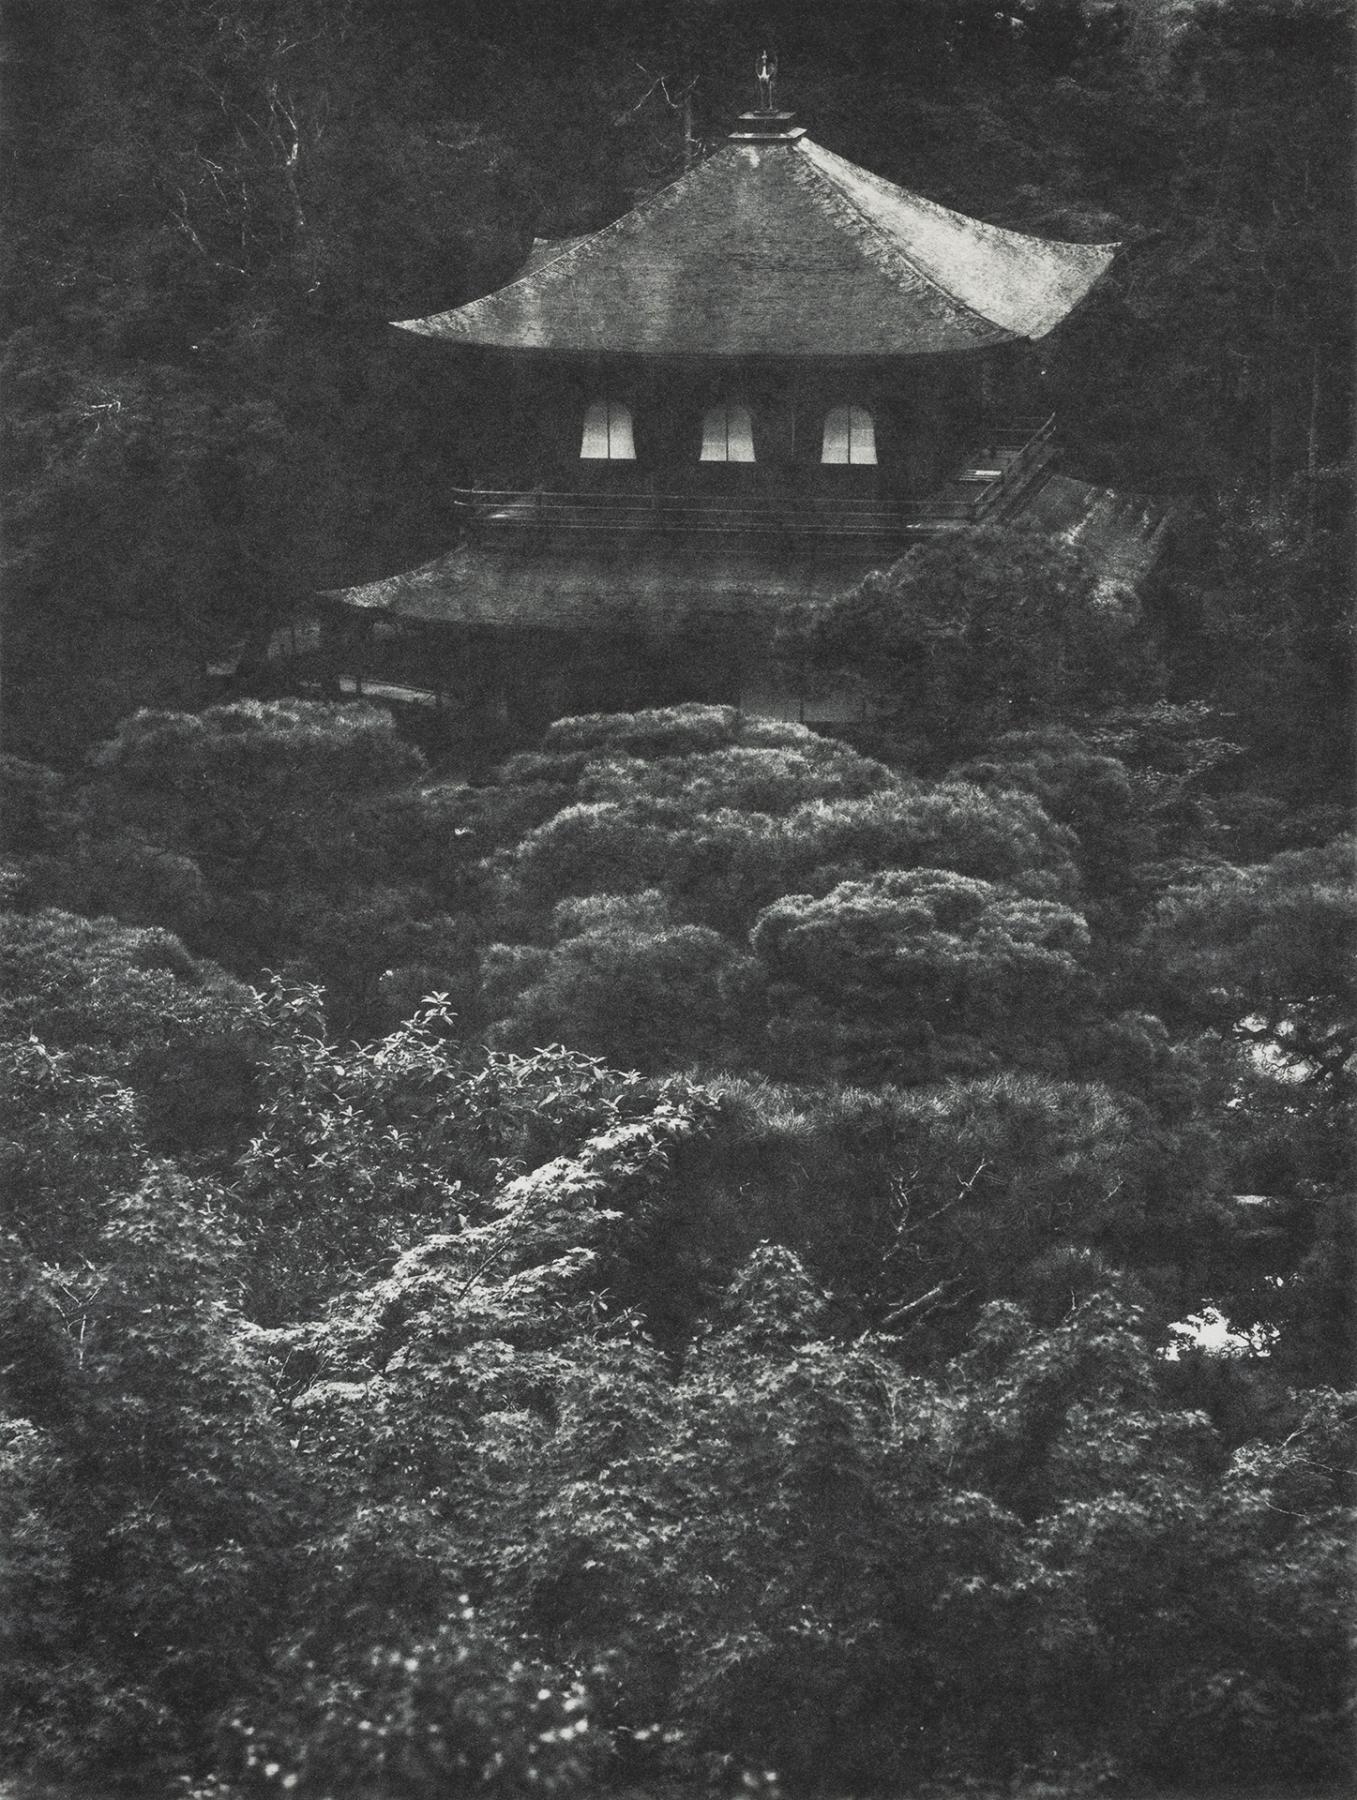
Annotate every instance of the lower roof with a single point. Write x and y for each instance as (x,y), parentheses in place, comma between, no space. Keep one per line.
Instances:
(622,586)
(611,585)
(1122,533)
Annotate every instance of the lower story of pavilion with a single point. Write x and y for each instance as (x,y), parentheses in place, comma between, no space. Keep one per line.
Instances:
(514,628)
(521,634)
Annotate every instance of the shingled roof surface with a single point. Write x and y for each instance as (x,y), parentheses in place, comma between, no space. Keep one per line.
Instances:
(1123,534)
(622,586)
(782,248)
(605,586)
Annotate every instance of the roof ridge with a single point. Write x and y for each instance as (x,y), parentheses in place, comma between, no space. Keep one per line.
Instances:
(574,246)
(864,188)
(826,176)
(870,179)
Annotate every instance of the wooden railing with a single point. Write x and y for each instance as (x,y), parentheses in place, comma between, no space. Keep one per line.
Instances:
(1019,450)
(1026,457)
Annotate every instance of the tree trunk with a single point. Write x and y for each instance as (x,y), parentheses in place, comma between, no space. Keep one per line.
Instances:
(1273,419)
(1312,450)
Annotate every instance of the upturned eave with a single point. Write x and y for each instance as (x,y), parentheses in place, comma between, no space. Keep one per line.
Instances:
(778,249)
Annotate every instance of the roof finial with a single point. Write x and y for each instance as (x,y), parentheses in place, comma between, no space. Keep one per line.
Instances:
(765,76)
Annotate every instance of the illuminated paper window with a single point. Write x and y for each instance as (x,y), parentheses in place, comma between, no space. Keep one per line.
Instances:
(850,436)
(607,433)
(727,434)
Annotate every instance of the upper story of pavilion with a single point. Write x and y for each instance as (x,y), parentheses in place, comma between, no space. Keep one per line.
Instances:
(777,342)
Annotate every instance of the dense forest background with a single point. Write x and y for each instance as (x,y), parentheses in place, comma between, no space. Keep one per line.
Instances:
(711,1258)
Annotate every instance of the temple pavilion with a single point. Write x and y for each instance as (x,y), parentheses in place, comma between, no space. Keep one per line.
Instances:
(768,378)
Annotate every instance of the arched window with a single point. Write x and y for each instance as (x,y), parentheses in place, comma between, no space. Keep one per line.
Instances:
(607,433)
(727,433)
(850,436)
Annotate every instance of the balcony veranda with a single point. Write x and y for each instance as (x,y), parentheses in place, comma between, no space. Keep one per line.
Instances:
(985,486)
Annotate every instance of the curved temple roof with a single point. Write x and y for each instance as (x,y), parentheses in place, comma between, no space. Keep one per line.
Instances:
(621,584)
(778,247)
